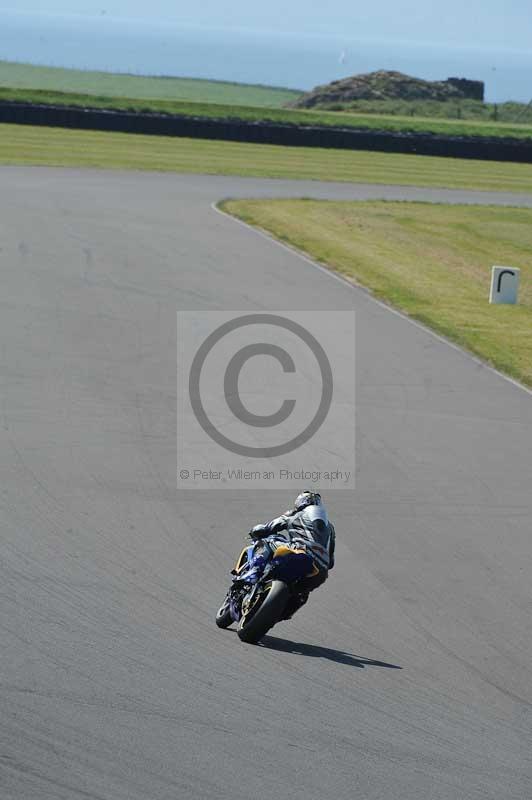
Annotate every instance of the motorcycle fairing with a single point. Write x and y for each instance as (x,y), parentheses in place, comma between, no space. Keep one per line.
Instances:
(263,559)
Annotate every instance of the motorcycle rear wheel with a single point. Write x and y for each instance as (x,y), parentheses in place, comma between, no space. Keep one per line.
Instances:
(253,626)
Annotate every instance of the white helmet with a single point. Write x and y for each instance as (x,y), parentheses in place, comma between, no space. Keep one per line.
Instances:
(307,499)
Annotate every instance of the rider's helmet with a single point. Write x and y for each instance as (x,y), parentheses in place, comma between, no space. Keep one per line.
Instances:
(307,499)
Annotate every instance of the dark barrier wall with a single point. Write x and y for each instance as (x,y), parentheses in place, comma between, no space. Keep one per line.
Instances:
(268,133)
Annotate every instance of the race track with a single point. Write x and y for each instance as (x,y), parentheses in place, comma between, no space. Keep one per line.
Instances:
(406,677)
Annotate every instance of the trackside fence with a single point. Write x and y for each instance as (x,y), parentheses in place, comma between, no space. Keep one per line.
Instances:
(491,149)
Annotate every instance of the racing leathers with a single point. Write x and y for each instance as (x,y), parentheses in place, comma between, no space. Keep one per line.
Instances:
(308,530)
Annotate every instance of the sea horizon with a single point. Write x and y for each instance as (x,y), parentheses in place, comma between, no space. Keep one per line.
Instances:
(288,60)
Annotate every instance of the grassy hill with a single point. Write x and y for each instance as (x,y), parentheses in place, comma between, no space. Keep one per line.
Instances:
(394,93)
(190,97)
(111,84)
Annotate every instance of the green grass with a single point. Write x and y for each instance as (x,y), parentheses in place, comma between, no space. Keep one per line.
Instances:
(219,110)
(508,112)
(56,79)
(21,144)
(431,261)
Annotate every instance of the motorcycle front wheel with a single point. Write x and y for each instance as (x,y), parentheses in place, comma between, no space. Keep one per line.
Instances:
(268,610)
(223,615)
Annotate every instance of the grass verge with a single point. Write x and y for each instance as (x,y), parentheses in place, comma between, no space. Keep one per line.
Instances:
(456,110)
(431,261)
(24,144)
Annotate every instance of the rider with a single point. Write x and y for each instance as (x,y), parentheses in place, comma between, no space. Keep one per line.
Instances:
(306,527)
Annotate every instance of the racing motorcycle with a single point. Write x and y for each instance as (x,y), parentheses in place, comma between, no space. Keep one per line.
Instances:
(265,588)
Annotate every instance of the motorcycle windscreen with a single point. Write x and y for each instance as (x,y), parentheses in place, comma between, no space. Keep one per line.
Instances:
(291,566)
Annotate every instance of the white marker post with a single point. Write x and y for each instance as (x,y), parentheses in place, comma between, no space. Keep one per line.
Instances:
(504,285)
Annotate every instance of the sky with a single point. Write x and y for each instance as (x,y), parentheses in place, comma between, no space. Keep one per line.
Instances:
(486,24)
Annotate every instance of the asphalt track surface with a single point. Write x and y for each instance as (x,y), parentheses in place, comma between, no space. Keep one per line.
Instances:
(406,676)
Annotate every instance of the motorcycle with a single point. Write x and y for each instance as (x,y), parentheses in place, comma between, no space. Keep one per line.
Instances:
(265,588)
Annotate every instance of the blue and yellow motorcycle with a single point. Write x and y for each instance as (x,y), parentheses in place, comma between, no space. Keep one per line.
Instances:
(265,588)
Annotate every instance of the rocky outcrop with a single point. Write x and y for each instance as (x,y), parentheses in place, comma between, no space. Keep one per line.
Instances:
(472,90)
(383,85)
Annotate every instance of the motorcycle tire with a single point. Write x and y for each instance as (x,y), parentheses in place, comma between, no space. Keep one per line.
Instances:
(223,615)
(253,626)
